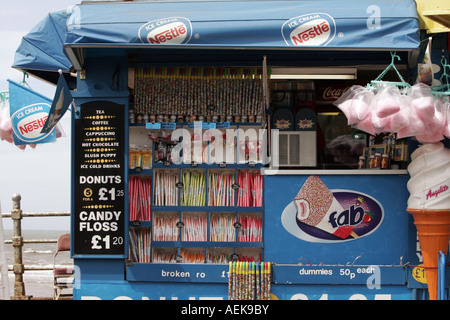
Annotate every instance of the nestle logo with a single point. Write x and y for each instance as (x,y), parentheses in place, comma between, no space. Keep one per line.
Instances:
(28,121)
(167,31)
(177,31)
(315,29)
(35,124)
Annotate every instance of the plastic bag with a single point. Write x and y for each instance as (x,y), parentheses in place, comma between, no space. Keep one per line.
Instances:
(389,109)
(446,129)
(5,124)
(345,103)
(420,108)
(415,124)
(428,114)
(361,104)
(59,131)
(402,118)
(435,123)
(366,125)
(422,101)
(362,109)
(388,100)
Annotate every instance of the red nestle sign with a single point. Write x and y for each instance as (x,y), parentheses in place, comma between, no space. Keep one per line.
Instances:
(168,35)
(311,33)
(33,125)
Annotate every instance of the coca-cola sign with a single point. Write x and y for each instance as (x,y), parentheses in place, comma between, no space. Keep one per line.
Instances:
(166,31)
(330,93)
(309,30)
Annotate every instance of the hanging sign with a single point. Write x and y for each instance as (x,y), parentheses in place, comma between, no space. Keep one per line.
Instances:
(61,101)
(29,112)
(99,180)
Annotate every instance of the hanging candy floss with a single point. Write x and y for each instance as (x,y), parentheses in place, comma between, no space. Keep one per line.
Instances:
(432,111)
(386,103)
(446,129)
(355,103)
(401,119)
(436,124)
(385,108)
(422,101)
(421,110)
(5,125)
(345,103)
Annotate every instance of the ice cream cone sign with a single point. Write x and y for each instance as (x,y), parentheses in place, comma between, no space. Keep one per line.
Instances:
(433,230)
(429,204)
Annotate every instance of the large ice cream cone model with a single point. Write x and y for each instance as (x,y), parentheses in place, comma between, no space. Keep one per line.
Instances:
(433,230)
(429,204)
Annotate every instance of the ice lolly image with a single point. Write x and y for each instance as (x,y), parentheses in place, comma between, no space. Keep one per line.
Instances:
(315,203)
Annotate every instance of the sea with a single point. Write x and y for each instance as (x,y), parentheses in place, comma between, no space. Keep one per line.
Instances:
(38,283)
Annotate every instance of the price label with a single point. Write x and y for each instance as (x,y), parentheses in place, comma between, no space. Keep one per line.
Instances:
(99,202)
(99,243)
(105,194)
(419,274)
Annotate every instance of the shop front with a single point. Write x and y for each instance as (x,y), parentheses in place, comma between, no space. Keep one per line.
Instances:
(209,160)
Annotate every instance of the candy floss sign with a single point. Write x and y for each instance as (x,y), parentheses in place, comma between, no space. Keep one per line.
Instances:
(166,31)
(318,214)
(309,30)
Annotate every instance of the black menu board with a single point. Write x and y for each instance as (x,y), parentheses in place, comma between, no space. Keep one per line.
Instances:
(99,180)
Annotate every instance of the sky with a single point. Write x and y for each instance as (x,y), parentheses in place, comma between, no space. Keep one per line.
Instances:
(41,175)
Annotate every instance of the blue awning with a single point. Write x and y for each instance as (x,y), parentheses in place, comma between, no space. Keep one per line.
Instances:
(259,25)
(256,24)
(43,47)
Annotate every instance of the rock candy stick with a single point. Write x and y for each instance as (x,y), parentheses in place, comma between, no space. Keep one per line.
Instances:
(230,280)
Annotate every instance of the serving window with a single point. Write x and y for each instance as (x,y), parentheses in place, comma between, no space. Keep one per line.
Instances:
(314,134)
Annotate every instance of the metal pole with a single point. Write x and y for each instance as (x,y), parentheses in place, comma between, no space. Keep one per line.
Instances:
(441,276)
(4,283)
(17,242)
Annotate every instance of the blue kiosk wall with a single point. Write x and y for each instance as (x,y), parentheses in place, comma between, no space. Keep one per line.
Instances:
(376,265)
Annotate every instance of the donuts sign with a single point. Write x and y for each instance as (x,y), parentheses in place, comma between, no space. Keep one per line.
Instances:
(309,30)
(166,31)
(318,214)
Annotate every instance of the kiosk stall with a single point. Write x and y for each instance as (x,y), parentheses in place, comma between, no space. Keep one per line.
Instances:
(207,154)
